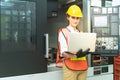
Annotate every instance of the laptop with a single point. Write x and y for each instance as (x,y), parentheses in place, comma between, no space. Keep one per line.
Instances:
(83,41)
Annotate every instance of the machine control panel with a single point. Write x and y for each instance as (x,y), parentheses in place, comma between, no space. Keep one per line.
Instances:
(100,70)
(105,21)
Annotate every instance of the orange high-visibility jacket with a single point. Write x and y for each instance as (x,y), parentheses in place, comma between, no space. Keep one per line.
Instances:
(73,63)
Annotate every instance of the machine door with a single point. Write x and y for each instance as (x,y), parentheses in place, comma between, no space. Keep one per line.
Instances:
(22,40)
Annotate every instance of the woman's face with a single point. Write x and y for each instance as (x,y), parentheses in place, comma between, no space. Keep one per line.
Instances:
(73,21)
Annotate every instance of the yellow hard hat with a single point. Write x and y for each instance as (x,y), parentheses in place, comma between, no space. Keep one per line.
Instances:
(75,11)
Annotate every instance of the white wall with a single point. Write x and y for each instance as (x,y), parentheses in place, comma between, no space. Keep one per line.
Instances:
(115,2)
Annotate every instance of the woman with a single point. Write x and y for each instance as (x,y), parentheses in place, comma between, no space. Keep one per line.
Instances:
(74,63)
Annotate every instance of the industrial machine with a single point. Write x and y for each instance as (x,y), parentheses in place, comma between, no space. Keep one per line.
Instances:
(105,21)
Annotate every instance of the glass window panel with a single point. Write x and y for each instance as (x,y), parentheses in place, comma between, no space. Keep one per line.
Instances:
(16,36)
(96,3)
(115,10)
(97,10)
(15,26)
(5,35)
(22,18)
(28,19)
(108,3)
(2,11)
(5,26)
(7,12)
(104,10)
(110,10)
(14,18)
(22,13)
(5,19)
(29,26)
(21,26)
(14,12)
(114,18)
(28,13)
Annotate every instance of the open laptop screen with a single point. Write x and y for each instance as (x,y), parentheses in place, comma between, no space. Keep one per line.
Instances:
(81,41)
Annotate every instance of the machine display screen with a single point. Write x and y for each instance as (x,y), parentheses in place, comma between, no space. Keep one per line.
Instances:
(100,21)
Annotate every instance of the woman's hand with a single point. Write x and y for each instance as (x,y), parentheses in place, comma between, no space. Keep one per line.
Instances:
(81,53)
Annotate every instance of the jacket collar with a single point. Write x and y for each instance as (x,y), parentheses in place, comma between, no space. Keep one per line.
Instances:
(72,29)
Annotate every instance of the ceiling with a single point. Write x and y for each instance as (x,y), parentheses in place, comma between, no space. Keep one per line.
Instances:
(65,3)
(70,1)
